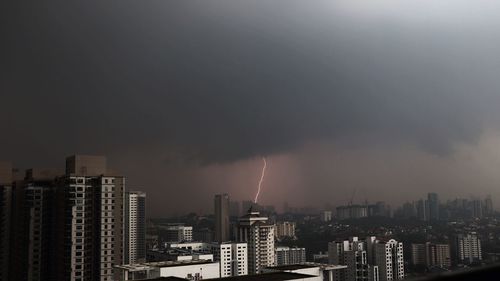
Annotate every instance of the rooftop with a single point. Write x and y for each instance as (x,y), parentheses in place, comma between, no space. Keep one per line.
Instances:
(170,278)
(149,265)
(274,276)
(307,265)
(293,266)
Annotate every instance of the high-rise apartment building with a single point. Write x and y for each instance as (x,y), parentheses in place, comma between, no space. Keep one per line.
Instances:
(89,220)
(32,226)
(468,248)
(66,226)
(221,208)
(232,257)
(289,255)
(36,224)
(285,229)
(353,254)
(387,255)
(419,254)
(430,255)
(135,227)
(440,255)
(259,235)
(352,212)
(326,216)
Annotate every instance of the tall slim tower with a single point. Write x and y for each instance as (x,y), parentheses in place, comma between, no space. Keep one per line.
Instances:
(221,207)
(135,227)
(433,201)
(89,220)
(422,210)
(259,234)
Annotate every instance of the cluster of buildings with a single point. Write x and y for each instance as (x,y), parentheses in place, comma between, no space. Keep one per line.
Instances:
(239,248)
(356,211)
(465,249)
(431,209)
(371,259)
(71,224)
(81,223)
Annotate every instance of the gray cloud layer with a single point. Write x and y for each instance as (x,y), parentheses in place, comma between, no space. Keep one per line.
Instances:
(218,81)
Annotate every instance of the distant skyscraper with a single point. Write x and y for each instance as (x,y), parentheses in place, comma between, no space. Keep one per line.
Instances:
(488,206)
(407,211)
(90,220)
(433,205)
(5,217)
(135,227)
(422,210)
(259,235)
(221,208)
(477,208)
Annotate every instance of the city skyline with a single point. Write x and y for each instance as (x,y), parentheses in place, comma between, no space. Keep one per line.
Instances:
(84,217)
(248,140)
(360,195)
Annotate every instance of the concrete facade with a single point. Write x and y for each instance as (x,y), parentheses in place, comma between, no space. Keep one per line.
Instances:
(135,227)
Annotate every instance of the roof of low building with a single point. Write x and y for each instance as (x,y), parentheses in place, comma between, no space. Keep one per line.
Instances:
(274,276)
(170,278)
(293,266)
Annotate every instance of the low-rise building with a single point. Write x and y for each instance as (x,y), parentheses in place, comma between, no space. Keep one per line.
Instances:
(190,270)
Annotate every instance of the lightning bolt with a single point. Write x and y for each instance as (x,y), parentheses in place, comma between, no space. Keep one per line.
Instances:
(261,179)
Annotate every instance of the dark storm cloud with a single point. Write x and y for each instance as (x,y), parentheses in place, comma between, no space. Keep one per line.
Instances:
(224,80)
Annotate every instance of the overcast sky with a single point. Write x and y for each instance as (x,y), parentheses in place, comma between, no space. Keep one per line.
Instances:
(393,98)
